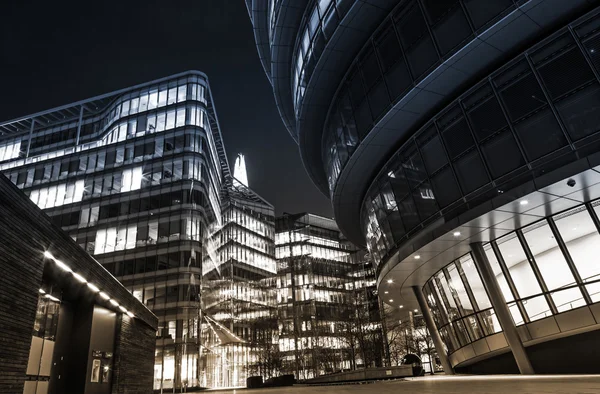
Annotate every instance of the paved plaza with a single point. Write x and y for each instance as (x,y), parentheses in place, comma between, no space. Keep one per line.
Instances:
(540,384)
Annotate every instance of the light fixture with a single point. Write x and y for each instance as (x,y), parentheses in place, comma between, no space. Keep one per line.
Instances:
(391,300)
(390,281)
(524,202)
(63,266)
(52,298)
(416,310)
(385,292)
(401,306)
(79,277)
(417,257)
(456,233)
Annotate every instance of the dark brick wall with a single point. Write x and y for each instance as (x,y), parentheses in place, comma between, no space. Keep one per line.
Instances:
(20,278)
(25,233)
(133,368)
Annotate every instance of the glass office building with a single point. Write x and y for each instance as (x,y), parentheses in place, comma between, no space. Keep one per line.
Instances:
(328,311)
(457,141)
(139,178)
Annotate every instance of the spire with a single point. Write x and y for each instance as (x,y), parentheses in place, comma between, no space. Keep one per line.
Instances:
(239,171)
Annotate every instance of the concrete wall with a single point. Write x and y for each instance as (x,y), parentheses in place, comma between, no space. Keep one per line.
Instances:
(365,374)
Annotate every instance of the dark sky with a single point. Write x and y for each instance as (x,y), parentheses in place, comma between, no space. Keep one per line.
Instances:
(56,52)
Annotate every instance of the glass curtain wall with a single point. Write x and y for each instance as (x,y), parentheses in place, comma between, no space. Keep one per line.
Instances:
(139,184)
(326,299)
(527,116)
(543,269)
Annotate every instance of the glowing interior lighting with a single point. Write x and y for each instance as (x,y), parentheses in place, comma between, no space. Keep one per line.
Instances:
(524,202)
(417,257)
(93,287)
(79,277)
(104,295)
(115,303)
(456,233)
(390,281)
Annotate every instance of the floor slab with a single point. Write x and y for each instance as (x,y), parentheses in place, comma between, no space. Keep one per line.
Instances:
(513,384)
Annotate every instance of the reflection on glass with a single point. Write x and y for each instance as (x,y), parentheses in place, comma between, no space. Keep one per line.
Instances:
(518,266)
(471,276)
(537,308)
(490,322)
(548,256)
(582,239)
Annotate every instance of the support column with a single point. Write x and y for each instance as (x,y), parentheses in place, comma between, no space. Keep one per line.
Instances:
(502,311)
(435,335)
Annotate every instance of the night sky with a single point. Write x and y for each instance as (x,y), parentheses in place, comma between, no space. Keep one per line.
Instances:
(54,53)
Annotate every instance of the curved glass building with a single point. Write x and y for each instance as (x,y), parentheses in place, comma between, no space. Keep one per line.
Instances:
(139,178)
(458,140)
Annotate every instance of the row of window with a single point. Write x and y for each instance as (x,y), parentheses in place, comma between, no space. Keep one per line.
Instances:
(129,179)
(543,269)
(146,100)
(91,214)
(319,25)
(413,39)
(122,154)
(531,114)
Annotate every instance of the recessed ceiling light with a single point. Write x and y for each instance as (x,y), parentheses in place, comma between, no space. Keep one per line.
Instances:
(401,306)
(385,292)
(456,233)
(104,295)
(93,287)
(115,303)
(391,300)
(574,228)
(417,257)
(130,314)
(416,310)
(524,202)
(390,281)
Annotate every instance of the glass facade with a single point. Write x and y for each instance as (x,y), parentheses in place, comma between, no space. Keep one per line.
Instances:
(533,115)
(140,180)
(542,269)
(320,22)
(328,307)
(414,39)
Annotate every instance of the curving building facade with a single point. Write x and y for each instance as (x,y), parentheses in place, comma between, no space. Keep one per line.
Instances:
(139,178)
(458,141)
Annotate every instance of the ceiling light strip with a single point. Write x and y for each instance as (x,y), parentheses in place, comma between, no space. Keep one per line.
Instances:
(81,279)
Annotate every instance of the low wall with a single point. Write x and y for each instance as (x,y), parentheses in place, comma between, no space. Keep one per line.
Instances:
(364,374)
